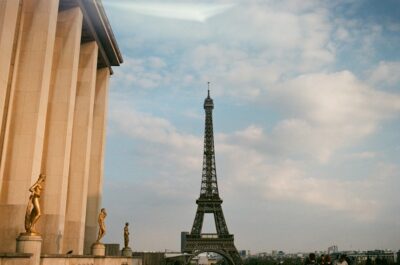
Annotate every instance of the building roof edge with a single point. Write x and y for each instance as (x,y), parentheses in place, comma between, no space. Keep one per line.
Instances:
(101,24)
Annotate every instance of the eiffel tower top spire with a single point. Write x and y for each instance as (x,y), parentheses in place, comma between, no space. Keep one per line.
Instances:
(209,187)
(208,104)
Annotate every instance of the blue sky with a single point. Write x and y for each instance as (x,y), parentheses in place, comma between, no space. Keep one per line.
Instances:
(306,121)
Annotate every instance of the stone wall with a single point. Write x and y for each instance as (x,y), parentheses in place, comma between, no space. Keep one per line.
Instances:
(15,259)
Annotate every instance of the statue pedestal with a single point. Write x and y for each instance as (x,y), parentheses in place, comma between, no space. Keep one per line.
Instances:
(30,243)
(98,249)
(127,252)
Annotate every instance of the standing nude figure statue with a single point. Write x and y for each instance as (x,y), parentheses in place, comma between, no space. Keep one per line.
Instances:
(126,235)
(33,212)
(102,226)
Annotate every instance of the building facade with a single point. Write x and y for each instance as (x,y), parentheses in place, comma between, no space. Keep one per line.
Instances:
(56,59)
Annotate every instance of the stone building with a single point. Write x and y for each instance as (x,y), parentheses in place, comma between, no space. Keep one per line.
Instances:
(56,59)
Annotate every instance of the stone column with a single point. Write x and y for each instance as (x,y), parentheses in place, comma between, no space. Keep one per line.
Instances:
(9,20)
(80,149)
(24,134)
(95,189)
(57,148)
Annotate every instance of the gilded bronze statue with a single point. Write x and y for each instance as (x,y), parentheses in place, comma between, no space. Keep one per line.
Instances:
(33,211)
(126,235)
(102,226)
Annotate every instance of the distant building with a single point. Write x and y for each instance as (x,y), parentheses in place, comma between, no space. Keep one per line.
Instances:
(183,240)
(333,249)
(244,253)
(360,257)
(262,254)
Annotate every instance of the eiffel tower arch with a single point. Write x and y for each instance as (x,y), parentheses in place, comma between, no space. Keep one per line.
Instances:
(225,255)
(209,202)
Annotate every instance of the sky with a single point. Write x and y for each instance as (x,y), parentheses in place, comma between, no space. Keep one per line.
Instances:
(306,122)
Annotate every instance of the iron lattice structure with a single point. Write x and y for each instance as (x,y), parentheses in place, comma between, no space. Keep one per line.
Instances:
(209,202)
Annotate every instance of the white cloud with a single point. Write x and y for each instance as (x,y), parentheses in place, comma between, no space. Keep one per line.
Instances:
(252,46)
(342,34)
(362,155)
(252,133)
(329,111)
(156,62)
(386,73)
(276,179)
(284,181)
(173,10)
(150,128)
(338,196)
(142,73)
(244,163)
(321,113)
(179,148)
(357,38)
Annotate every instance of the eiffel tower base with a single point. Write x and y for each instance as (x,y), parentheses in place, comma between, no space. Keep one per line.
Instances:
(223,246)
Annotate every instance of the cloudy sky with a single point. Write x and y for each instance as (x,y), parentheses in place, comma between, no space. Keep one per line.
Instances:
(306,121)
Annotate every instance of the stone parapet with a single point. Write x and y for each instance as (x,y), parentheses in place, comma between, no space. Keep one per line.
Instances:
(88,259)
(15,258)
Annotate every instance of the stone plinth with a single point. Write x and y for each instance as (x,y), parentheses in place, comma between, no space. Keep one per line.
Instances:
(127,252)
(30,244)
(98,249)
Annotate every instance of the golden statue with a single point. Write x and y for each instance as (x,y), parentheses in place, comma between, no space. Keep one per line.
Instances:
(33,212)
(102,226)
(126,235)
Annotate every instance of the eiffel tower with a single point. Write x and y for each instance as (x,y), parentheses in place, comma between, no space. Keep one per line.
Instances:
(209,202)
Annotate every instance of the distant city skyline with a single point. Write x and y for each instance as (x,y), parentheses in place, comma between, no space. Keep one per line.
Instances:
(306,121)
